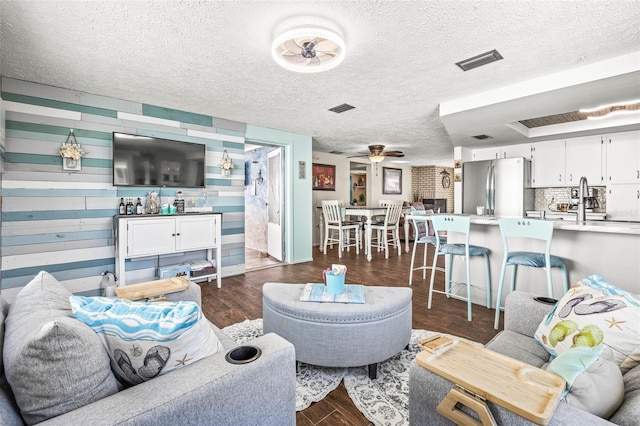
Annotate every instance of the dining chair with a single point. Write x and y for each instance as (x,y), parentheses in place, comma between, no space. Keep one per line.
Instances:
(523,230)
(390,227)
(335,224)
(425,235)
(459,226)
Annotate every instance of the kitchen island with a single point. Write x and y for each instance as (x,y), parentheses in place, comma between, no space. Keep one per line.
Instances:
(610,249)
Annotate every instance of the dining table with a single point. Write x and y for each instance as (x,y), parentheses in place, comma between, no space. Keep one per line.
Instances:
(367,212)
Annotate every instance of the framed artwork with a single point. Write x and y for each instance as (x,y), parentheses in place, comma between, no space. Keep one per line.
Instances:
(323,177)
(391,181)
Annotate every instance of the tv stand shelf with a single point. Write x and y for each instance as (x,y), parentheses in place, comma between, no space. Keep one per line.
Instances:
(155,235)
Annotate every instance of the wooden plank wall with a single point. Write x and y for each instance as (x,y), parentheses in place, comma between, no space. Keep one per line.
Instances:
(61,221)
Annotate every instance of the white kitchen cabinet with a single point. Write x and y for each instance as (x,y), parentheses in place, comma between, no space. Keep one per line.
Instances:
(583,157)
(141,236)
(520,150)
(623,157)
(510,151)
(486,154)
(548,164)
(623,202)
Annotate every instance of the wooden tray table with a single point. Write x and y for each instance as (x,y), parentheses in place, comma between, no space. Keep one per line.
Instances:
(153,290)
(482,374)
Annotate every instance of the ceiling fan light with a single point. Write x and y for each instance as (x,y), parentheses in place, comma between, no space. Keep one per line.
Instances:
(304,34)
(376,158)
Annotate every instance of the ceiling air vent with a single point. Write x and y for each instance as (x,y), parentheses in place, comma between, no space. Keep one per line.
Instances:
(480,60)
(482,137)
(341,108)
(336,152)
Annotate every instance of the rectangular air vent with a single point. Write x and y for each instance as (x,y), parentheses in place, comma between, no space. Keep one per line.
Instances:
(482,137)
(336,152)
(341,108)
(479,60)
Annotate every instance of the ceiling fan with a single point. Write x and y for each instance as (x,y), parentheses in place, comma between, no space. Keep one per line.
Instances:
(310,51)
(377,153)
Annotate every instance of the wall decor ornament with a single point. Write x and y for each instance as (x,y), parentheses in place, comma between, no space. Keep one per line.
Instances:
(226,164)
(71,153)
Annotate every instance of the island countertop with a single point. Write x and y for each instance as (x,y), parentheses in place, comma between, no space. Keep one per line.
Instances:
(604,226)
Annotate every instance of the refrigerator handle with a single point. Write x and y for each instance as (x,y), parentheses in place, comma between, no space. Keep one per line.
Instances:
(490,203)
(487,191)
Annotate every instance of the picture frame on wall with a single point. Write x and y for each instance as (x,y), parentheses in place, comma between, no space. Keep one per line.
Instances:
(323,177)
(391,181)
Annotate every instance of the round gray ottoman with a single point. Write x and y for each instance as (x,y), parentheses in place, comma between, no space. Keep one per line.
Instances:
(340,334)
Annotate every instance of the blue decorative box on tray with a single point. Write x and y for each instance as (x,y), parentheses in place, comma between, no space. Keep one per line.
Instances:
(353,293)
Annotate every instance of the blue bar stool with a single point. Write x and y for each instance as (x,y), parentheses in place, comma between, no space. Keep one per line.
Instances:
(424,234)
(512,228)
(449,224)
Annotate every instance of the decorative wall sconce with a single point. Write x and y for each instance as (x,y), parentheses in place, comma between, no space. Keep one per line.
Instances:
(259,179)
(71,153)
(226,164)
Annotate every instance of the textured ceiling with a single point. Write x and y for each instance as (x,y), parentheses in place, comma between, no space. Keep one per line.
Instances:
(214,58)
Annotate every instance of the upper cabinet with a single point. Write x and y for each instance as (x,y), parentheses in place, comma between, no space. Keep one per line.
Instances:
(563,163)
(511,151)
(520,150)
(486,154)
(584,157)
(548,164)
(623,157)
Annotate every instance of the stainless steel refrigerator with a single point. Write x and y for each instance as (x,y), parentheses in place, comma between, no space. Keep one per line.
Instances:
(502,186)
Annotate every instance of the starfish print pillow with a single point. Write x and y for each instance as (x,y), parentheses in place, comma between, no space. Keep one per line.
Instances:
(591,313)
(146,339)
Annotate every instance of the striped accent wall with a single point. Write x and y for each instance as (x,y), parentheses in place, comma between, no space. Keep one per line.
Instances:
(62,221)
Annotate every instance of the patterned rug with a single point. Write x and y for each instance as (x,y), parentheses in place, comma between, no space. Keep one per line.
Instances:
(383,401)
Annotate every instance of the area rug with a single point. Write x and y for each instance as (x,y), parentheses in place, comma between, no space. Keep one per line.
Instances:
(313,383)
(383,401)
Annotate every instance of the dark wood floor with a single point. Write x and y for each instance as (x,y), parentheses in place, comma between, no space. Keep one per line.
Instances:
(240,298)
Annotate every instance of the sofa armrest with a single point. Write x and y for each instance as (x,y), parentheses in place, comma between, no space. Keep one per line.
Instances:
(522,314)
(209,391)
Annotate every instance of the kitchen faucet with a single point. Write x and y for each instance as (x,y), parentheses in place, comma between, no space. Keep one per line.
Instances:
(583,192)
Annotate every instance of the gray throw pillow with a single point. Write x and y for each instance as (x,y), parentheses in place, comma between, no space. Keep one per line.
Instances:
(53,362)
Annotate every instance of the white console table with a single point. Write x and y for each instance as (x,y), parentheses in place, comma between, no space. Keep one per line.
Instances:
(154,235)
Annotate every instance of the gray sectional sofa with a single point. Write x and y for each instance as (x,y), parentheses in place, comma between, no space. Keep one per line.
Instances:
(208,391)
(522,317)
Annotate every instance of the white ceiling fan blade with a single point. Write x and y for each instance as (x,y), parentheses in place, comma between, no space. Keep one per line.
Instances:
(291,46)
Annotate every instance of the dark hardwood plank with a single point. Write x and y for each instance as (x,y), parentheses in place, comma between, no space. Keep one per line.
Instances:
(240,298)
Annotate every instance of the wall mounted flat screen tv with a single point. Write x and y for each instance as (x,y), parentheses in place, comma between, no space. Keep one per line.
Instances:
(150,161)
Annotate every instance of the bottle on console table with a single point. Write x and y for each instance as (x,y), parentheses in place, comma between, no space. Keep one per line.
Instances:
(139,207)
(123,208)
(130,206)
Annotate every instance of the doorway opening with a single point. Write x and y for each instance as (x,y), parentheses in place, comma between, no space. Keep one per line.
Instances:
(264,204)
(358,178)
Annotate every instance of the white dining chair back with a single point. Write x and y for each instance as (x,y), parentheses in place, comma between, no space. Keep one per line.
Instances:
(389,228)
(331,212)
(532,229)
(339,231)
